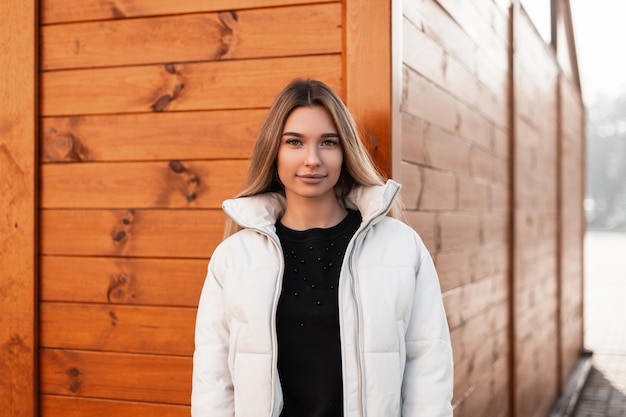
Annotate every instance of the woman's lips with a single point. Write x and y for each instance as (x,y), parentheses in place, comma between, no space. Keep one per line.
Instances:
(312,178)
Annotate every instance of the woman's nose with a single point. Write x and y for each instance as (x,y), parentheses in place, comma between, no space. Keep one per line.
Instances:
(312,156)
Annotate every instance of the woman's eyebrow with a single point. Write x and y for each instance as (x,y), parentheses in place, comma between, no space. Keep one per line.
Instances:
(298,135)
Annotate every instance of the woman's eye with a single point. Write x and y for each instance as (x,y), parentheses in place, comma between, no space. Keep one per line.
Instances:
(293,142)
(329,143)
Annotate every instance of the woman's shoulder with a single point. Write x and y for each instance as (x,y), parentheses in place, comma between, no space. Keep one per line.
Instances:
(241,239)
(396,231)
(397,226)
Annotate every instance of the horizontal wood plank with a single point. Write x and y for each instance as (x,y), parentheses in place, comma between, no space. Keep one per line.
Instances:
(150,378)
(151,136)
(135,233)
(60,406)
(174,184)
(162,282)
(57,11)
(311,29)
(200,86)
(117,328)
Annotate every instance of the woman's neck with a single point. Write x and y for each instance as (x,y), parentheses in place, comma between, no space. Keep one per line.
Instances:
(304,214)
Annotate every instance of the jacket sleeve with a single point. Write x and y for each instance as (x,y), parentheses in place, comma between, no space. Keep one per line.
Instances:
(429,371)
(212,387)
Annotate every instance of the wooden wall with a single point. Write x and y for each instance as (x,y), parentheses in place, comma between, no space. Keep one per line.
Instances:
(535,273)
(18,218)
(571,223)
(455,165)
(490,137)
(148,112)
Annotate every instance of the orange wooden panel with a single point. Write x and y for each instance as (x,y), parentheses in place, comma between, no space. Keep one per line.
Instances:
(60,406)
(173,184)
(163,282)
(149,378)
(55,11)
(151,136)
(144,233)
(367,74)
(18,205)
(199,86)
(262,33)
(117,328)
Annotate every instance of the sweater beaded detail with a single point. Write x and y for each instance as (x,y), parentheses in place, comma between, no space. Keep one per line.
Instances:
(307,319)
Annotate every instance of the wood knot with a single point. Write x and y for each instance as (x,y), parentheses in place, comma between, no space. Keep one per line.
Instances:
(113,317)
(177,167)
(63,146)
(76,379)
(120,290)
(185,181)
(121,232)
(229,35)
(119,236)
(373,142)
(172,87)
(170,68)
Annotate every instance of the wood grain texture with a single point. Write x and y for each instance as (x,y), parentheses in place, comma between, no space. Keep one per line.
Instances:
(56,11)
(149,378)
(133,233)
(200,86)
(173,184)
(63,406)
(117,328)
(208,135)
(129,281)
(311,29)
(18,219)
(368,74)
(535,233)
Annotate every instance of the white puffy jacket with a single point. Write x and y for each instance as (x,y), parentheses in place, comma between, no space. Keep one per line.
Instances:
(395,342)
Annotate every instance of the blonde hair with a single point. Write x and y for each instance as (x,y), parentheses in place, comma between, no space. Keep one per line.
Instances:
(358,167)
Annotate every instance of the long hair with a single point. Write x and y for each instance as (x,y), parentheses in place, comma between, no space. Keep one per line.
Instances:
(357,167)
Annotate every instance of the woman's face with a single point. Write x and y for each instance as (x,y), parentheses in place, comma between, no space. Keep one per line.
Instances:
(310,155)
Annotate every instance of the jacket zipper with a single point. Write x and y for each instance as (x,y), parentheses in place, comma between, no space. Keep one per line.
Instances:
(358,333)
(356,299)
(277,290)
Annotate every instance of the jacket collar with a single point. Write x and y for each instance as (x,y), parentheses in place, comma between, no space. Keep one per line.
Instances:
(261,211)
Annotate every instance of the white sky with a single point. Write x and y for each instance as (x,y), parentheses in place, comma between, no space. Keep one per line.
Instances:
(600,32)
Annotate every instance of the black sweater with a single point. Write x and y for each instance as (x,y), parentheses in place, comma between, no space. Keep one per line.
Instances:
(307,319)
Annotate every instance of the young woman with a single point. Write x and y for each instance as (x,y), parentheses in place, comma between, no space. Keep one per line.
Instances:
(319,302)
